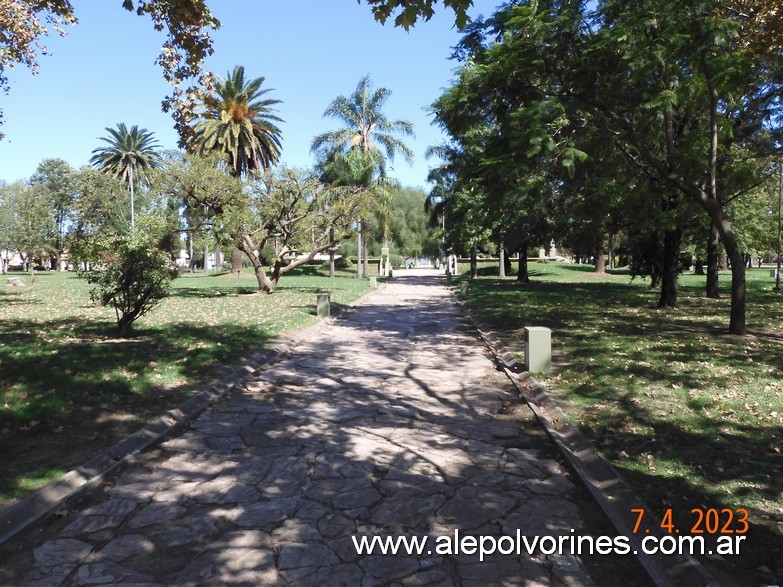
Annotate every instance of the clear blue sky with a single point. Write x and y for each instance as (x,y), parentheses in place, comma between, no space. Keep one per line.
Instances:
(309,51)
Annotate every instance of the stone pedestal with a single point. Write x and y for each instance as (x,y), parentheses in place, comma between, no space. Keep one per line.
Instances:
(373,282)
(322,309)
(538,349)
(463,288)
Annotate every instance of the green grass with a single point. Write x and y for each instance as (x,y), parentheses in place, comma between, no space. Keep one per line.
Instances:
(692,416)
(69,387)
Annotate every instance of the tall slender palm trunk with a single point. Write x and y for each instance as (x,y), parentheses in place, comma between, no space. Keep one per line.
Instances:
(130,180)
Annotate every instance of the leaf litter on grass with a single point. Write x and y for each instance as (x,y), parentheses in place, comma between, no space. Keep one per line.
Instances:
(686,412)
(53,338)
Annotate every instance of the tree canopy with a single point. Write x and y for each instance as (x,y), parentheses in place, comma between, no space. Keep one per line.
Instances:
(675,91)
(237,122)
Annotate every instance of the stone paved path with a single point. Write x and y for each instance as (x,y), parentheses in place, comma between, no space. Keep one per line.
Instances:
(389,422)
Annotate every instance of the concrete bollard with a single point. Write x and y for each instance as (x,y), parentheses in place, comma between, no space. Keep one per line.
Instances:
(463,288)
(773,272)
(538,349)
(322,305)
(373,282)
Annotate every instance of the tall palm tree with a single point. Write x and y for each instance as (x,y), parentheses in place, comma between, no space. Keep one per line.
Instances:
(128,156)
(365,126)
(237,122)
(356,168)
(367,130)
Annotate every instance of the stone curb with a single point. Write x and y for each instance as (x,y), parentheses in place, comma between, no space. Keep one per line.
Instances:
(46,500)
(607,488)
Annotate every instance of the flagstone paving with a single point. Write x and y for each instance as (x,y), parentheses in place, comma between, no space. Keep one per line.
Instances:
(391,421)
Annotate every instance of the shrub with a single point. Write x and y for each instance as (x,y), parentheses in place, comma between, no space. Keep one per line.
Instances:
(343,263)
(131,275)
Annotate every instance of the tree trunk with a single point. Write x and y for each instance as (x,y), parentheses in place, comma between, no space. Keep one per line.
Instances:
(366,260)
(218,260)
(523,276)
(672,240)
(611,251)
(124,324)
(502,263)
(600,256)
(265,284)
(190,252)
(735,256)
(473,262)
(130,182)
(236,262)
(359,250)
(331,252)
(737,319)
(713,255)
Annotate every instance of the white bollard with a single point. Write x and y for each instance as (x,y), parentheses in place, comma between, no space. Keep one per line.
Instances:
(538,349)
(322,309)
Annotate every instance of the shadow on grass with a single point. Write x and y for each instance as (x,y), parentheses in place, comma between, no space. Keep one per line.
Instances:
(66,399)
(216,292)
(677,404)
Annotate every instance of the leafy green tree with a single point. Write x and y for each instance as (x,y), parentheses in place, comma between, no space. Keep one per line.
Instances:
(301,214)
(207,197)
(57,180)
(237,122)
(411,234)
(28,224)
(293,209)
(130,273)
(129,156)
(510,169)
(100,207)
(408,12)
(456,201)
(677,88)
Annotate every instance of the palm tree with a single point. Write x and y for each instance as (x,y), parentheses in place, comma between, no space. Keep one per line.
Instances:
(365,127)
(356,168)
(237,123)
(367,130)
(128,156)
